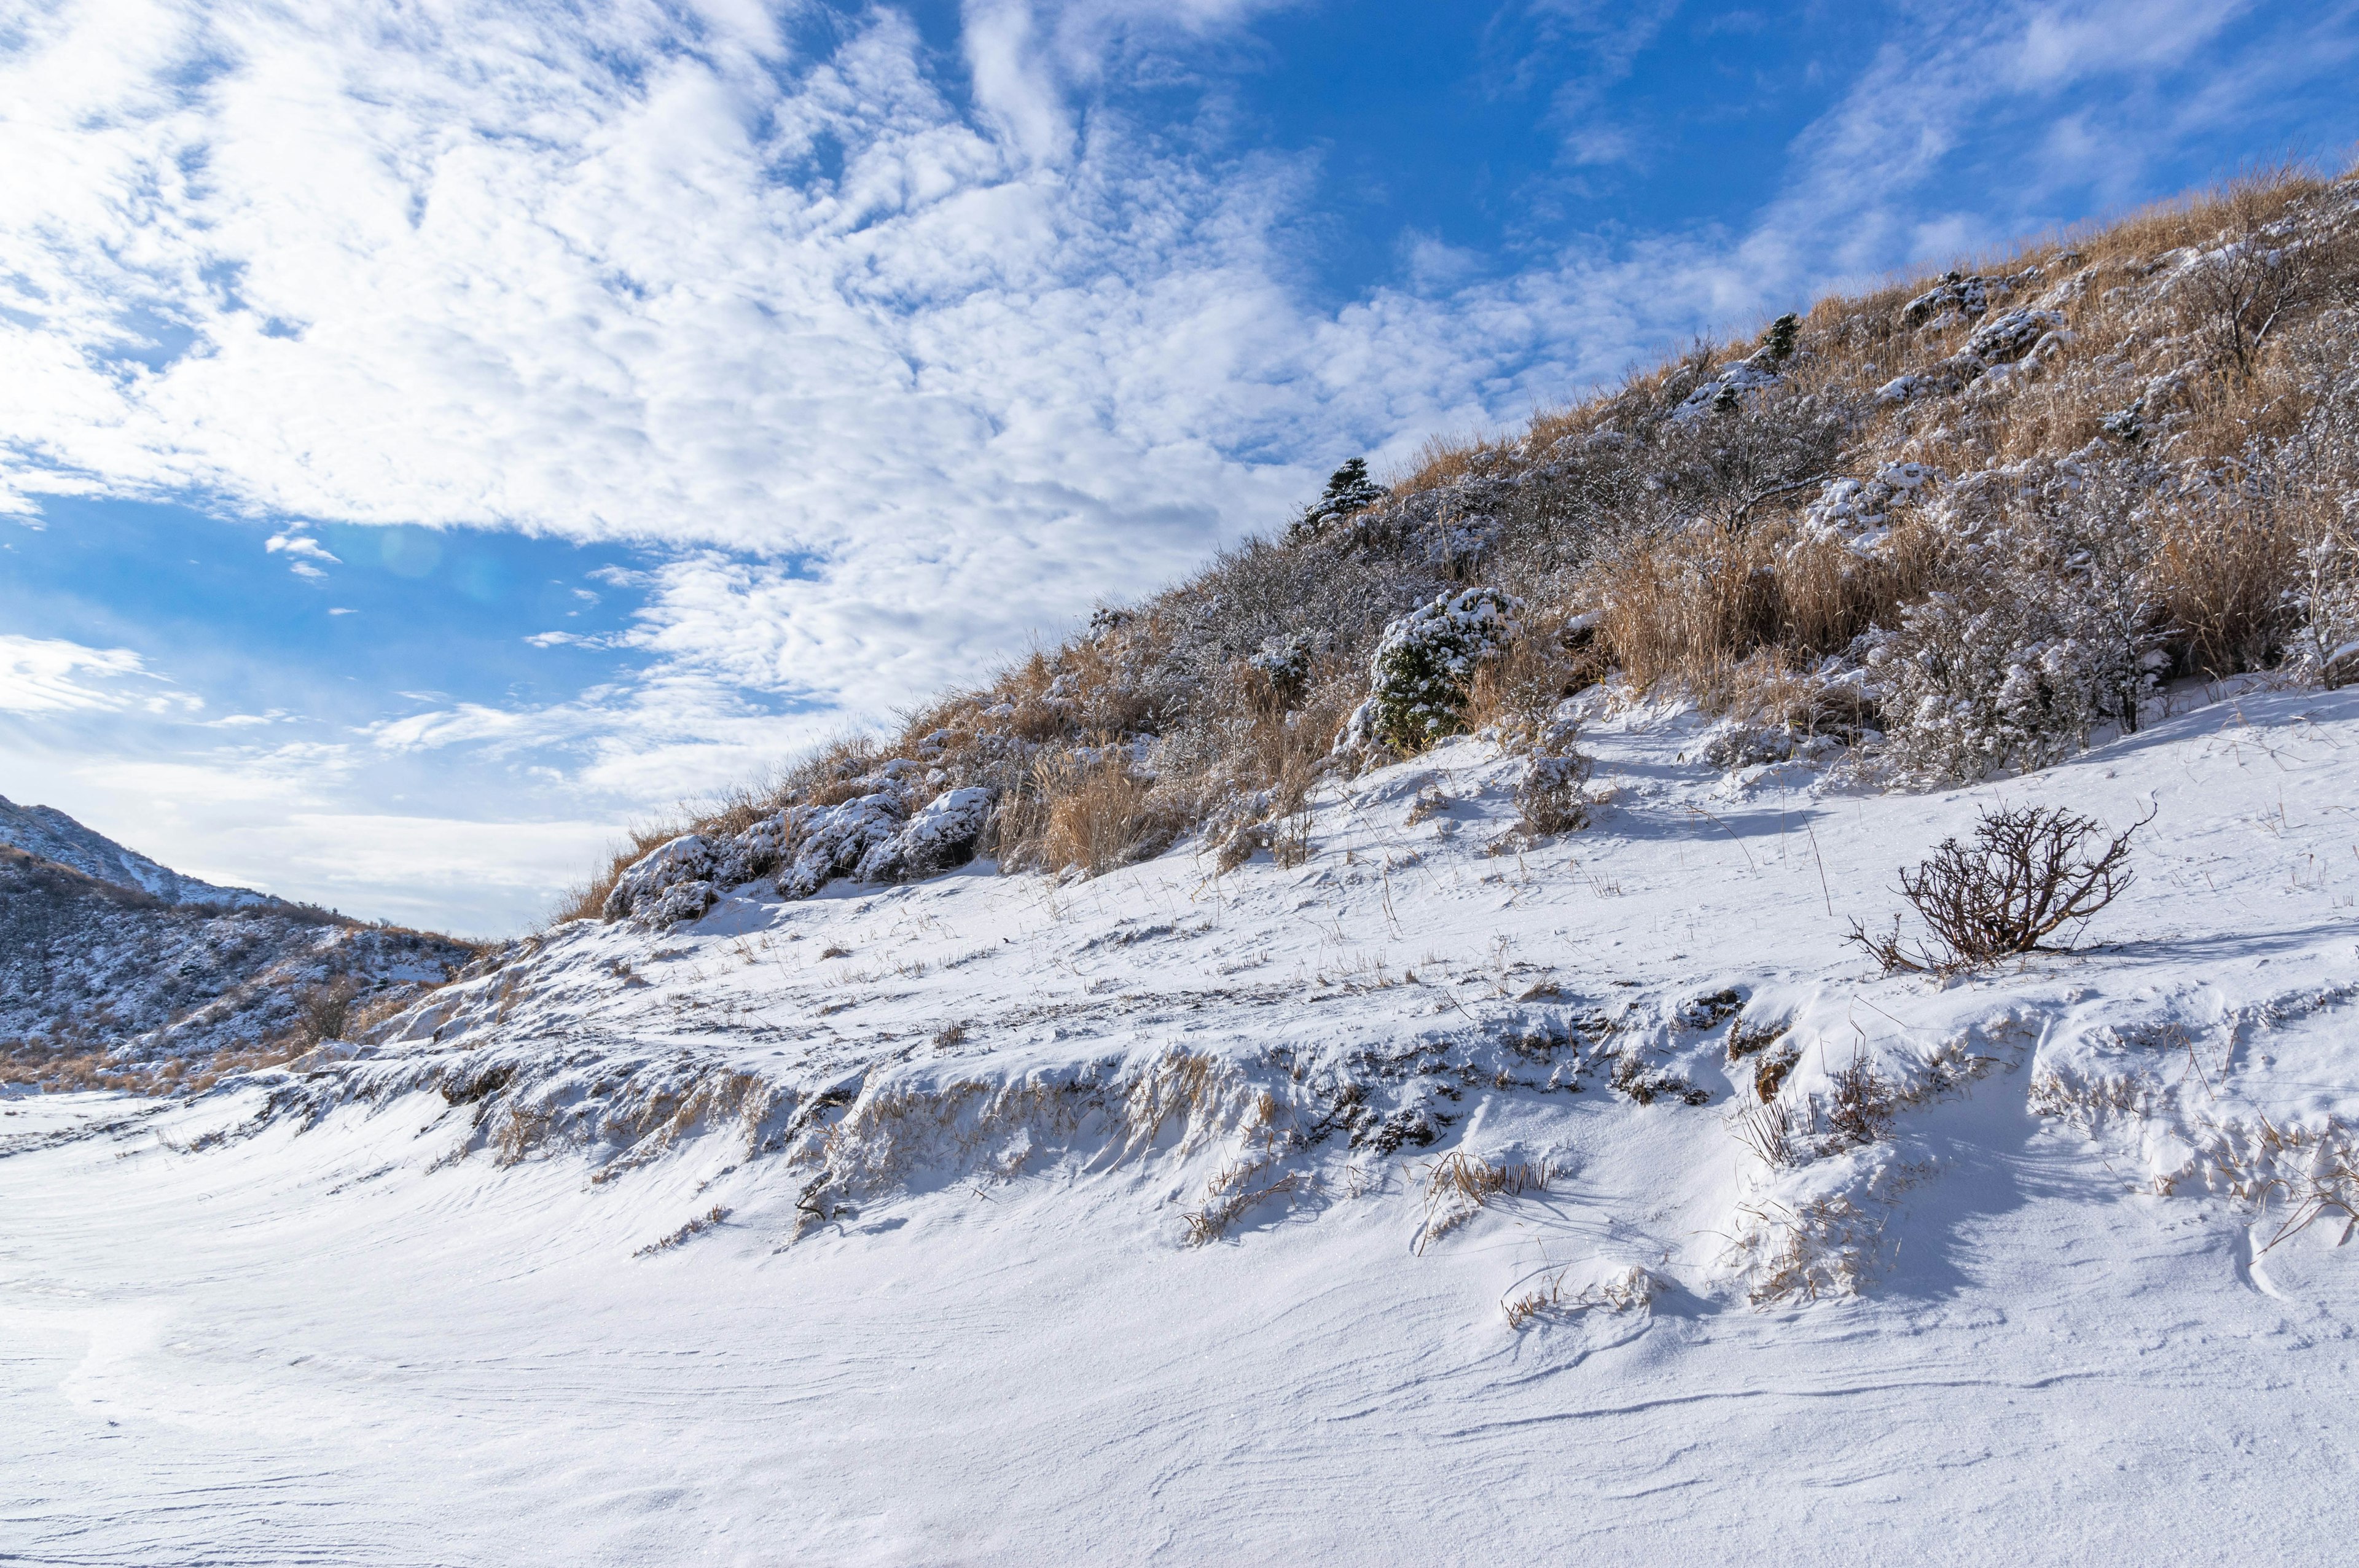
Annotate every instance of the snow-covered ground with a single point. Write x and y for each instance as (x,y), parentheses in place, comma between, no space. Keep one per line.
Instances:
(984,1219)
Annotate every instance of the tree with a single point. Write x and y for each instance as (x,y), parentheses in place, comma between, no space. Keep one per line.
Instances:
(1349,490)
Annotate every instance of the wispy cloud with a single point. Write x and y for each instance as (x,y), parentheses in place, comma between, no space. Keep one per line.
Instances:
(40,675)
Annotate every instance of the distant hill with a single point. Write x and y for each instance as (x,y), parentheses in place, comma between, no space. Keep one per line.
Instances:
(46,831)
(116,971)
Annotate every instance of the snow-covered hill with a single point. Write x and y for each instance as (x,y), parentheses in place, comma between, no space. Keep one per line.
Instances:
(101,982)
(1419,1202)
(45,831)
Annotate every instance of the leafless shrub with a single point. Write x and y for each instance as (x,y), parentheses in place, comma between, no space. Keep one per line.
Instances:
(2249,287)
(832,951)
(948,1036)
(325,1008)
(2029,872)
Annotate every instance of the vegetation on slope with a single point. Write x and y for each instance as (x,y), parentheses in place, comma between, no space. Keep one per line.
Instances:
(1960,524)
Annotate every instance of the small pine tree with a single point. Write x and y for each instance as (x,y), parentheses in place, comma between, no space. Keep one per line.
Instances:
(1779,339)
(1349,490)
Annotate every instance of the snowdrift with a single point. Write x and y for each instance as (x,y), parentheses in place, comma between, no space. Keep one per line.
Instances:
(1446,1197)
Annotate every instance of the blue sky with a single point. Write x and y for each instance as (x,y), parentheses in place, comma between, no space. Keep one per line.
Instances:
(436,435)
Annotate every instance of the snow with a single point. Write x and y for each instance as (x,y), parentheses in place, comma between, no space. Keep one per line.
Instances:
(1747,376)
(961,1131)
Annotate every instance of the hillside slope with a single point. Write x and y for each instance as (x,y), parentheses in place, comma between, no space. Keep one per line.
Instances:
(105,984)
(51,834)
(1375,1053)
(986,1219)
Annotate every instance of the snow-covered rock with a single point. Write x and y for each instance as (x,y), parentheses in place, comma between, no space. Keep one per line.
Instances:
(939,836)
(670,882)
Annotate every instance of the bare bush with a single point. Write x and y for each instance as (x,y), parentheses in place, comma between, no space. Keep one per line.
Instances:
(325,1008)
(2249,286)
(2029,872)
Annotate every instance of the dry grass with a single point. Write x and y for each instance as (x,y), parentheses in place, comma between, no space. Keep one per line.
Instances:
(1515,696)
(59,1071)
(1233,1190)
(1632,1290)
(1690,541)
(1457,1186)
(2224,562)
(694,1227)
(2307,1172)
(1827,1245)
(1092,814)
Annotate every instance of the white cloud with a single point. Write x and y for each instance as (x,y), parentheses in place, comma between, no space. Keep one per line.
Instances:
(896,382)
(299,546)
(41,675)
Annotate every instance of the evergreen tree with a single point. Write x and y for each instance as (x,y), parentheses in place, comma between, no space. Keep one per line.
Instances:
(1349,490)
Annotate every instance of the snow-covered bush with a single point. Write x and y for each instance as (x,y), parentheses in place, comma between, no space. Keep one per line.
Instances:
(1349,490)
(941,836)
(1425,665)
(2015,335)
(2051,627)
(1548,798)
(831,841)
(1285,663)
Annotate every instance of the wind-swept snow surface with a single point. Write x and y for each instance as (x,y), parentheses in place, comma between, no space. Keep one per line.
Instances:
(1364,1211)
